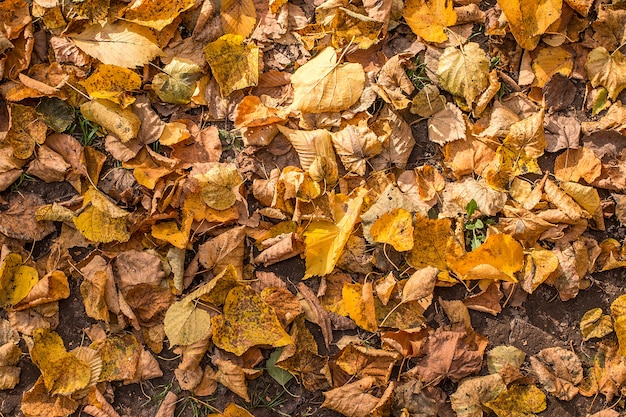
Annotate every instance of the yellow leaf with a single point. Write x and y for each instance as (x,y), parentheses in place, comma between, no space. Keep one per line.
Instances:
(120,355)
(238,17)
(497,259)
(38,402)
(323,85)
(123,123)
(607,70)
(232,410)
(472,393)
(52,287)
(219,185)
(594,324)
(121,43)
(26,131)
(429,18)
(63,373)
(235,65)
(177,83)
(156,15)
(358,300)
(394,228)
(518,401)
(551,61)
(464,72)
(185,323)
(325,241)
(247,321)
(430,240)
(170,232)
(574,164)
(101,220)
(529,20)
(540,263)
(113,83)
(618,312)
(92,291)
(16,279)
(353,28)
(173,133)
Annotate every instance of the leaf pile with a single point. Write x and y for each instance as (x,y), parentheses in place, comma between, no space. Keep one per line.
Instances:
(205,141)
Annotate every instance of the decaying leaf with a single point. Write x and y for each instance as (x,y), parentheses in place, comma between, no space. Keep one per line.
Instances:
(235,65)
(594,324)
(559,370)
(177,83)
(464,72)
(101,220)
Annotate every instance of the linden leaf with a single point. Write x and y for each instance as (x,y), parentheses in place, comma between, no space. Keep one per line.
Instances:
(92,290)
(38,402)
(559,370)
(430,239)
(16,279)
(472,393)
(501,356)
(574,164)
(607,70)
(352,399)
(519,401)
(185,323)
(177,83)
(26,131)
(247,321)
(120,355)
(219,185)
(314,148)
(395,228)
(355,145)
(594,324)
(464,72)
(497,259)
(234,65)
(238,17)
(325,241)
(429,18)
(540,263)
(446,125)
(121,43)
(156,15)
(63,373)
(350,28)
(112,83)
(101,220)
(323,85)
(529,20)
(123,123)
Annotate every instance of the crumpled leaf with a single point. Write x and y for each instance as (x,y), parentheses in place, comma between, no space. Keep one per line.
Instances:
(51,287)
(464,72)
(234,64)
(224,250)
(101,220)
(38,402)
(315,152)
(325,241)
(113,83)
(123,123)
(472,393)
(62,372)
(618,312)
(26,131)
(120,355)
(551,61)
(360,361)
(218,186)
(529,20)
(155,15)
(594,324)
(429,19)
(519,401)
(238,17)
(121,43)
(355,144)
(247,321)
(446,125)
(352,400)
(607,70)
(177,83)
(559,370)
(324,85)
(574,164)
(358,300)
(20,220)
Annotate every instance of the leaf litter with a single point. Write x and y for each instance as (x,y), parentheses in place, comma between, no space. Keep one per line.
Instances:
(364,199)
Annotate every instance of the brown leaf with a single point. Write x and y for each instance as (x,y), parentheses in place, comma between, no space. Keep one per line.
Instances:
(559,371)
(19,220)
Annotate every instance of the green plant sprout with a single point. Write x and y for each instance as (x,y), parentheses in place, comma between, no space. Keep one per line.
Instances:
(24,177)
(477,226)
(417,75)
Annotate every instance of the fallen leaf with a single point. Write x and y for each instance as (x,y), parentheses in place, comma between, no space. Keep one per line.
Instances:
(394,228)
(218,185)
(429,19)
(20,220)
(123,123)
(157,17)
(559,370)
(594,324)
(607,70)
(574,164)
(120,355)
(430,240)
(324,85)
(618,312)
(352,400)
(51,287)
(124,44)
(528,21)
(101,220)
(238,17)
(16,279)
(502,356)
(247,321)
(472,393)
(447,125)
(464,72)
(26,131)
(355,145)
(551,61)
(38,402)
(177,83)
(112,83)
(234,64)
(358,300)
(519,401)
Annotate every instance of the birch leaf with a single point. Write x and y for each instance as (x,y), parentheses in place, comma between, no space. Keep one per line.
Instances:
(607,70)
(238,17)
(464,72)
(429,19)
